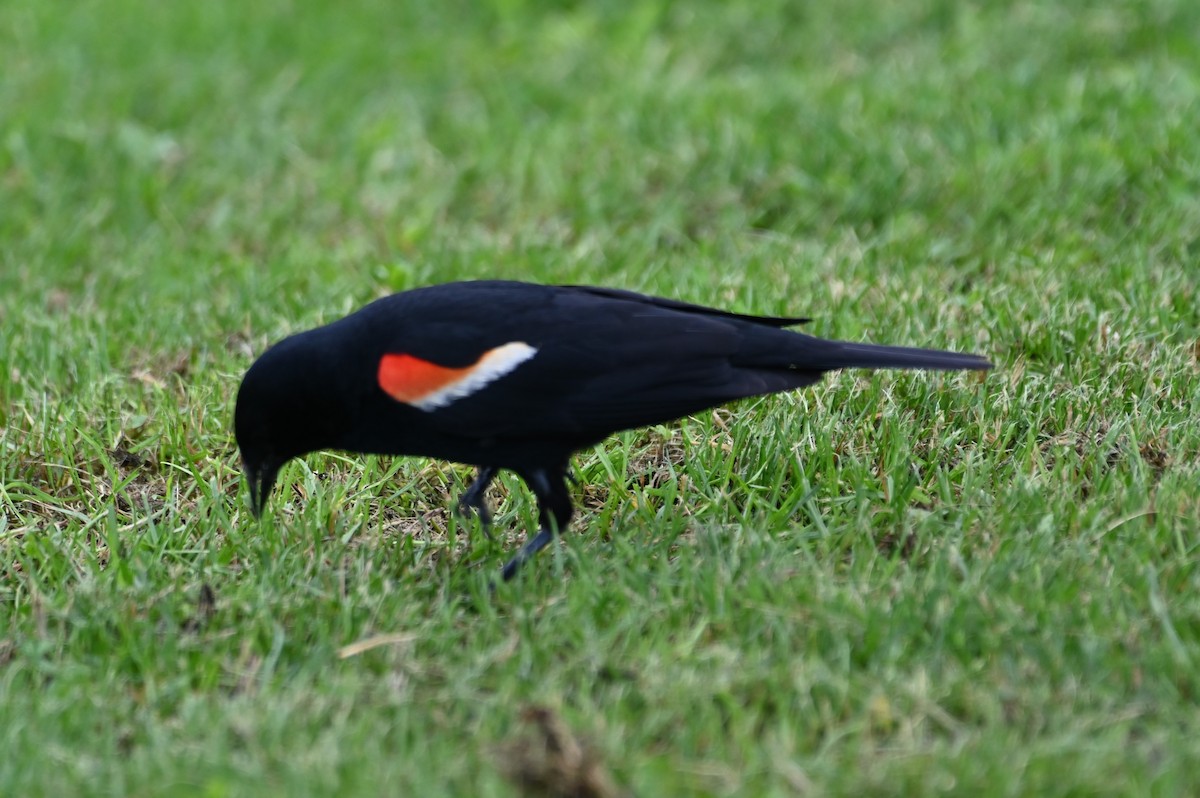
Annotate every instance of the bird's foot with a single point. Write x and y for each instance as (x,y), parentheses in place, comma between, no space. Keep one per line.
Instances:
(526,553)
(479,509)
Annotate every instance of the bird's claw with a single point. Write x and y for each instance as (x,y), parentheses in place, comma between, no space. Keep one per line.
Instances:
(468,507)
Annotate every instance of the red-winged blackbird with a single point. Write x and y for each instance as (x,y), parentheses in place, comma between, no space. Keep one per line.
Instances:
(518,376)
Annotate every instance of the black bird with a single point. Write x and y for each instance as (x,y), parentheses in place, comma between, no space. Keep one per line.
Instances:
(518,376)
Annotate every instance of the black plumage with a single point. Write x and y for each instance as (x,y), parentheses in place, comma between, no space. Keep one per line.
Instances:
(508,375)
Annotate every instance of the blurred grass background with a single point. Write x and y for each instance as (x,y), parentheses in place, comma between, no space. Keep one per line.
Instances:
(888,585)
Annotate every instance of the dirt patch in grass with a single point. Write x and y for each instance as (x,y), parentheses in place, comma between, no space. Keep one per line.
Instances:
(659,461)
(1155,454)
(549,760)
(897,544)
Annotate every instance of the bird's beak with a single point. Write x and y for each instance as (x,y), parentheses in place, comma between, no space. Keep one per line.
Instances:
(260,481)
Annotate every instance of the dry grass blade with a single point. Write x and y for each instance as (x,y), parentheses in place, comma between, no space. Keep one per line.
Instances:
(368,643)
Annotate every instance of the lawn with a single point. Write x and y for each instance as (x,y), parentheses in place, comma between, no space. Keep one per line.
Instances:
(889,584)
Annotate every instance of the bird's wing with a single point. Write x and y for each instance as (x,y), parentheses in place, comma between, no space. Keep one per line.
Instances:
(687,307)
(575,363)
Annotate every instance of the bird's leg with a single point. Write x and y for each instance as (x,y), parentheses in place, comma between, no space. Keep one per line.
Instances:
(475,499)
(531,547)
(554,513)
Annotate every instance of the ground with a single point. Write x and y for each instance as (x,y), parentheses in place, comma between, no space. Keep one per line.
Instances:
(889,584)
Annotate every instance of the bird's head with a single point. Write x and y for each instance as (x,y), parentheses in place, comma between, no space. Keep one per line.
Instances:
(291,402)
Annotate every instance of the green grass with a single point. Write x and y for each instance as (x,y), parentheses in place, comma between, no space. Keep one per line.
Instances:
(891,584)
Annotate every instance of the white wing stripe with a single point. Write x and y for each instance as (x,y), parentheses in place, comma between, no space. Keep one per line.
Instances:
(491,367)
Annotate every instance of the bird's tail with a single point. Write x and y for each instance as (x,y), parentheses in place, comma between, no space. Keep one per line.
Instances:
(844,354)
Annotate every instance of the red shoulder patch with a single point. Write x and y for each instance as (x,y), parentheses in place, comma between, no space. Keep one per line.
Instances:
(428,386)
(408,379)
